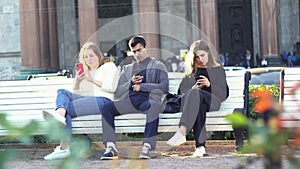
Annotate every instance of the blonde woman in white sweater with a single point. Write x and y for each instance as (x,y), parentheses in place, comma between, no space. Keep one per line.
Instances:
(91,90)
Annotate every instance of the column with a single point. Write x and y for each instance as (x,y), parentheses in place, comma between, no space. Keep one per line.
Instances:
(208,21)
(268,20)
(88,21)
(30,39)
(53,39)
(44,34)
(149,25)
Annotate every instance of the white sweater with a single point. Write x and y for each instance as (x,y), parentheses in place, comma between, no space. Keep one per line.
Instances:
(108,74)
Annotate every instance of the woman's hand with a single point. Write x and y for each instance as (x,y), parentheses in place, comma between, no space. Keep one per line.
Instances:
(89,78)
(78,79)
(202,82)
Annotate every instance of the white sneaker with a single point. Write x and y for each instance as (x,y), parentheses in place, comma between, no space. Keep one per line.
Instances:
(49,116)
(177,139)
(146,151)
(58,154)
(199,152)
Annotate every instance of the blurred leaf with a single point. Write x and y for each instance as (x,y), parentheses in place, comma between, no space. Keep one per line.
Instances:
(30,128)
(237,119)
(294,161)
(54,131)
(7,155)
(4,122)
(80,149)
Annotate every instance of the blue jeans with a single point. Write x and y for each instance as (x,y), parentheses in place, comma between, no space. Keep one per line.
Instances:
(77,105)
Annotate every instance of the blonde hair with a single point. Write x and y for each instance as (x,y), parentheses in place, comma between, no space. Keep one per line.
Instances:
(95,49)
(190,58)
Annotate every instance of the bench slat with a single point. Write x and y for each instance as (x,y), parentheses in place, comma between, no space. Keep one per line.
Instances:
(23,101)
(291,114)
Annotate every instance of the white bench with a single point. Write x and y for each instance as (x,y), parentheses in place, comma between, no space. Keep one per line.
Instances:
(291,116)
(23,101)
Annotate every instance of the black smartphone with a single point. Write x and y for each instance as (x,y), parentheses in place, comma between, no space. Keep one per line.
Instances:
(197,77)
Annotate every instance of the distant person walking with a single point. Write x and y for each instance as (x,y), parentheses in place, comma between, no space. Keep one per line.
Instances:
(289,60)
(264,62)
(221,59)
(241,59)
(256,60)
(294,58)
(248,58)
(226,59)
(284,57)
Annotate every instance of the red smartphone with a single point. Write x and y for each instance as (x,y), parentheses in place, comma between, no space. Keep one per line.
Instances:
(79,68)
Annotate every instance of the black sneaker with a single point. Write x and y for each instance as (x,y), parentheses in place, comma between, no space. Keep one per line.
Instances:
(110,154)
(145,153)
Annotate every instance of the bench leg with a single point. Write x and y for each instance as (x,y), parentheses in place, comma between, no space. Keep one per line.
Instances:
(238,133)
(239,137)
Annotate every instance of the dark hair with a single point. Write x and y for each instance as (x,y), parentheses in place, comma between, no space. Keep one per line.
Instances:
(135,40)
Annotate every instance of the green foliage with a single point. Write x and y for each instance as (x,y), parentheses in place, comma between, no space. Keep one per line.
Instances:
(267,138)
(237,119)
(7,155)
(263,139)
(273,89)
(80,148)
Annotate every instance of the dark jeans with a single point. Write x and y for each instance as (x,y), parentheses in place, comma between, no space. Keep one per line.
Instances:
(132,104)
(195,105)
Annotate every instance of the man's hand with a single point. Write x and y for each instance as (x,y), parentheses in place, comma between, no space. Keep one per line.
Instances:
(136,87)
(136,79)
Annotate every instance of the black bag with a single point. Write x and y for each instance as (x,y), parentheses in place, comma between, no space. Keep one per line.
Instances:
(173,103)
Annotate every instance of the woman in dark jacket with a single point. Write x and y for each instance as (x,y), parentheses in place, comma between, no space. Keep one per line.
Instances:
(203,88)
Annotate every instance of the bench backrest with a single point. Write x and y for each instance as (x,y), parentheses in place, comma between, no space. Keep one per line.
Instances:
(23,101)
(289,78)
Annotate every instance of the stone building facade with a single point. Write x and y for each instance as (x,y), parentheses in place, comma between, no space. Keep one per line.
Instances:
(46,35)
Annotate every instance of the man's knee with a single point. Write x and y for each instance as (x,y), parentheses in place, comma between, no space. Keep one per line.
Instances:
(107,108)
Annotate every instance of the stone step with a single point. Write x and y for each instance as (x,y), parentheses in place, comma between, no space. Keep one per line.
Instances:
(275,61)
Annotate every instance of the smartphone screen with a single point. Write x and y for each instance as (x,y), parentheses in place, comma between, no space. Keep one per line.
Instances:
(197,77)
(79,68)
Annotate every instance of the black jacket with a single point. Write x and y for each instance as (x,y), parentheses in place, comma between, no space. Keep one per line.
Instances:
(217,78)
